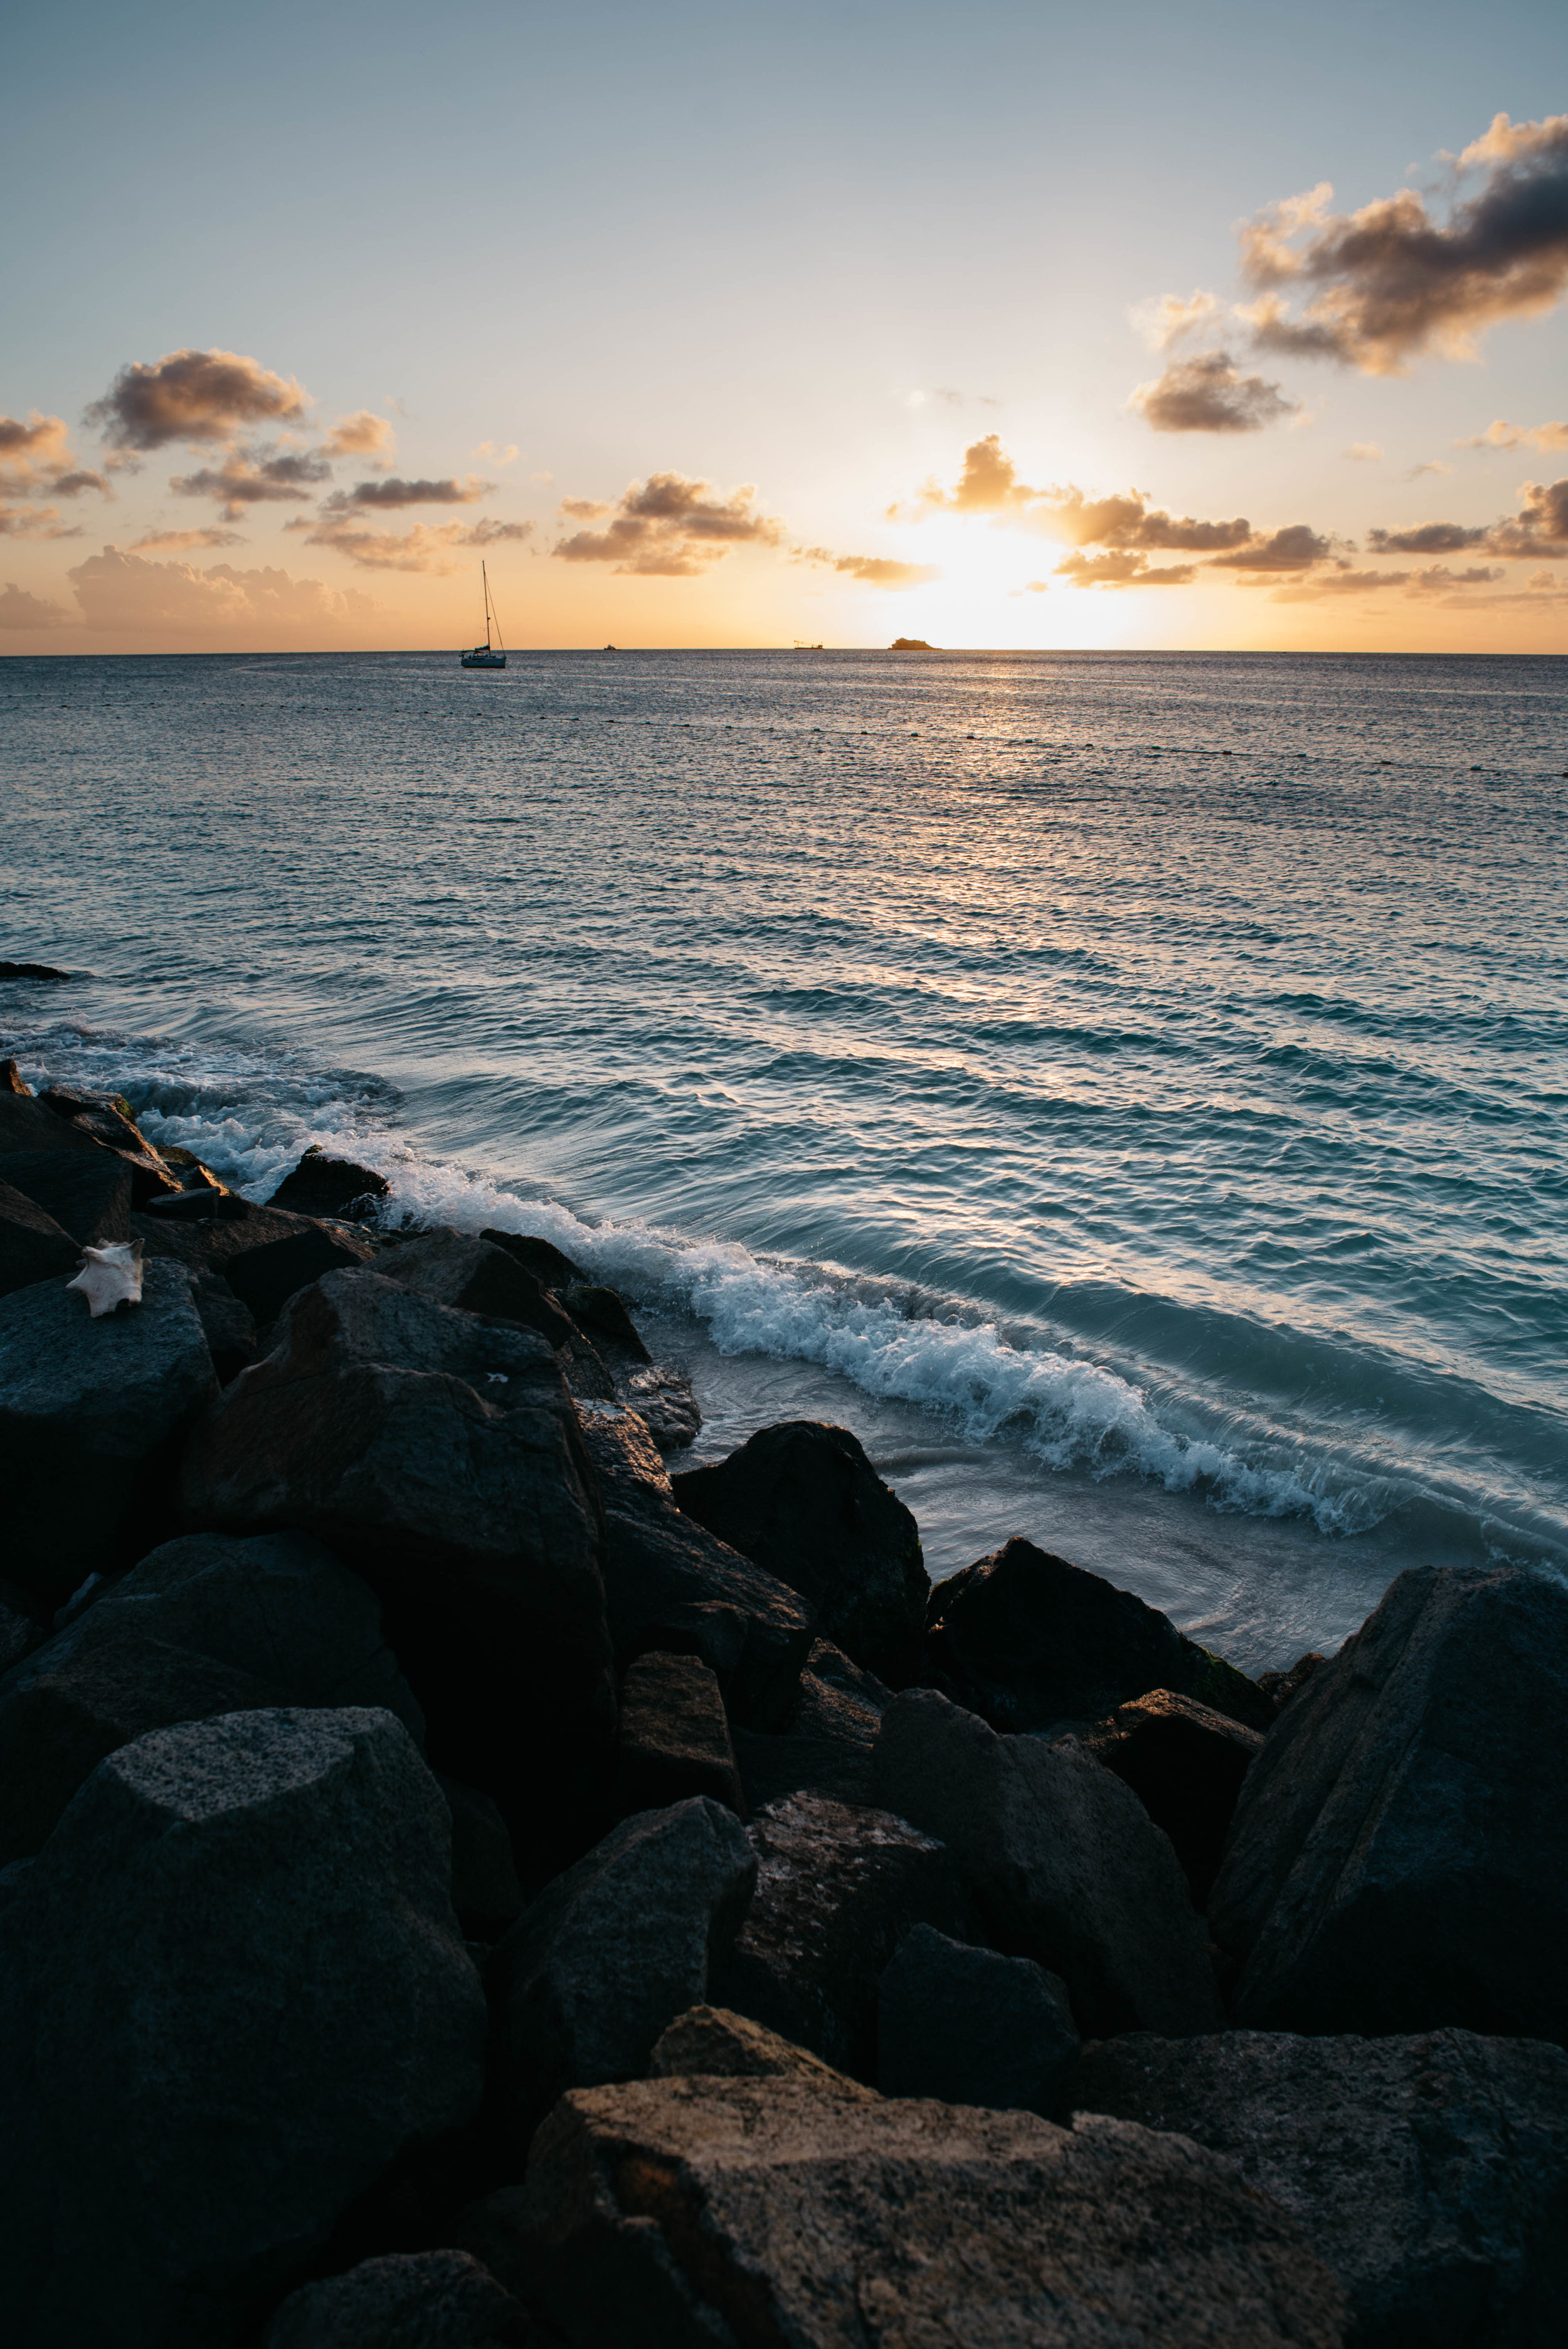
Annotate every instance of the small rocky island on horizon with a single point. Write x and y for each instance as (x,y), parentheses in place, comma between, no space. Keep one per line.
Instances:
(911,645)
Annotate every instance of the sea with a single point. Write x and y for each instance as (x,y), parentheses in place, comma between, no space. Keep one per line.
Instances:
(1127,1090)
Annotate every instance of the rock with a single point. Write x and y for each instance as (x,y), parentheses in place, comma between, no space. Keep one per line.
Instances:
(231,1992)
(716,2043)
(264,1278)
(1063,1861)
(1280,1687)
(203,1626)
(32,1247)
(26,1124)
(323,1185)
(673,1737)
(837,1888)
(91,1416)
(538,1257)
(486,1893)
(668,1584)
(604,1320)
(1431,2172)
(1185,1763)
(12,1079)
(235,1228)
(227,1323)
(406,2300)
(87,1192)
(438,1454)
(1398,1859)
(1028,1641)
(690,2212)
(30,971)
(20,1633)
(103,1119)
(665,1402)
(805,1504)
(454,1269)
(829,1745)
(613,1951)
(969,2027)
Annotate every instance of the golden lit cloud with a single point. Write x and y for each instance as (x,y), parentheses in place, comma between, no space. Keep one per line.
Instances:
(1501,434)
(176,542)
(428,547)
(667,527)
(873,570)
(1167,318)
(363,434)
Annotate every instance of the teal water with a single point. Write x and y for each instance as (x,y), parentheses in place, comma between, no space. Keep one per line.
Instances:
(1130,1090)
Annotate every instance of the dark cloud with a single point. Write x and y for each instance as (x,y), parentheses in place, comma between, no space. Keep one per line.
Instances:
(75,484)
(20,610)
(426,547)
(1438,578)
(1390,282)
(192,396)
(1209,393)
(1123,569)
(669,527)
(176,542)
(394,493)
(1541,525)
(1296,548)
(1426,538)
(247,478)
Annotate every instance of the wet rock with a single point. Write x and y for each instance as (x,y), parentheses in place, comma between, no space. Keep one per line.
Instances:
(283,1960)
(805,1504)
(12,1079)
(538,1257)
(1398,1859)
(406,2300)
(264,1278)
(454,1269)
(673,1737)
(714,2042)
(486,1892)
(236,1228)
(665,1402)
(32,1247)
(203,1626)
(91,1415)
(829,1745)
(969,2027)
(682,2211)
(611,1951)
(1063,1861)
(1028,1641)
(228,1325)
(87,1192)
(1431,2172)
(26,1124)
(837,1888)
(1185,1763)
(476,1521)
(31,970)
(323,1185)
(670,1584)
(601,1315)
(1280,1687)
(103,1119)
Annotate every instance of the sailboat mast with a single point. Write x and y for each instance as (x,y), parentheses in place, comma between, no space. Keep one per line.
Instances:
(484,574)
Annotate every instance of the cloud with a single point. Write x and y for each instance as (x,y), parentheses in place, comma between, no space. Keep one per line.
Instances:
(1296,548)
(1129,521)
(1343,582)
(20,610)
(494,456)
(1165,320)
(1428,538)
(669,527)
(989,484)
(36,522)
(1209,393)
(395,493)
(35,460)
(363,434)
(1501,434)
(192,396)
(1438,576)
(175,542)
(1365,452)
(247,478)
(1121,570)
(1541,525)
(1433,465)
(117,592)
(428,548)
(873,570)
(1390,283)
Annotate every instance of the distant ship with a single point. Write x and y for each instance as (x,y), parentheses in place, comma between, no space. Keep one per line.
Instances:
(802,646)
(486,656)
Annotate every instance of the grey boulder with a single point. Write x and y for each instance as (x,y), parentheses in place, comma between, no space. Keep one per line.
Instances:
(689,2211)
(231,1992)
(971,2027)
(1431,2172)
(32,1245)
(828,1745)
(1398,1857)
(453,1267)
(405,2300)
(86,1192)
(611,1951)
(1063,1861)
(91,1417)
(1185,1763)
(718,2043)
(674,1738)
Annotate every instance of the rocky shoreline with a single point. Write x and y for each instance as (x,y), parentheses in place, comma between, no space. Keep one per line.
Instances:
(463,1883)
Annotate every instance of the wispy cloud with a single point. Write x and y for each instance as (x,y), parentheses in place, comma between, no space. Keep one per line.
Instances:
(394,493)
(667,527)
(36,522)
(192,396)
(1209,393)
(177,542)
(1501,434)
(1365,452)
(363,434)
(872,570)
(428,547)
(1122,570)
(494,456)
(1168,318)
(35,460)
(247,478)
(1432,465)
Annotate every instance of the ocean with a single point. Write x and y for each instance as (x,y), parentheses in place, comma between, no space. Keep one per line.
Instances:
(1129,1091)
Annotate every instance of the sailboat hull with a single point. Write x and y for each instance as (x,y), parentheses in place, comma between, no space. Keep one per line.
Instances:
(482,658)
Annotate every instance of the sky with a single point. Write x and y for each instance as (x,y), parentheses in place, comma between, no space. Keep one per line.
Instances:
(1009,325)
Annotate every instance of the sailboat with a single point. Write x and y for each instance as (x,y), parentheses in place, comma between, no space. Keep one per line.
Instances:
(487,655)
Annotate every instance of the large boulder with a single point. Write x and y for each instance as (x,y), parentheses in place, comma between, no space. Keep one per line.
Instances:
(1398,1857)
(1065,1862)
(1030,1642)
(102,1120)
(86,1192)
(668,1584)
(675,1738)
(321,1185)
(548,1265)
(681,2212)
(1431,2172)
(26,1124)
(32,1247)
(455,1268)
(92,1413)
(969,2027)
(805,1504)
(836,1889)
(203,1626)
(405,2300)
(1185,1763)
(716,2043)
(438,1453)
(613,1951)
(231,1992)
(830,1739)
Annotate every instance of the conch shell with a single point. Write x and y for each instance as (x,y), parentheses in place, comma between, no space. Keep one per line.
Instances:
(110,1276)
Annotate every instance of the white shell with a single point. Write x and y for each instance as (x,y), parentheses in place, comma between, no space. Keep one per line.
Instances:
(110,1276)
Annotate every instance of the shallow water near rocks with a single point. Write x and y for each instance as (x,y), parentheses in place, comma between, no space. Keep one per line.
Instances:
(1129,1091)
